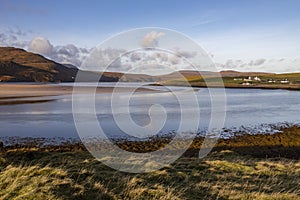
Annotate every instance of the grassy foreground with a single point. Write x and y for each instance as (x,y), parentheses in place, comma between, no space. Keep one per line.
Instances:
(70,172)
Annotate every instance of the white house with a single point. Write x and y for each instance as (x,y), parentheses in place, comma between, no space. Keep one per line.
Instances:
(271,81)
(247,83)
(284,81)
(248,79)
(256,78)
(237,79)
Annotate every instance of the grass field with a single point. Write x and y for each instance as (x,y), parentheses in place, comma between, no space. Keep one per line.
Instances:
(229,82)
(231,171)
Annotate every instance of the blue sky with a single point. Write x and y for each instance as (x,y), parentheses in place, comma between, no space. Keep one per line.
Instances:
(229,30)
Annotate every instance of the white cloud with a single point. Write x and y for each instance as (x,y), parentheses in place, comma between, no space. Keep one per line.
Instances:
(151,39)
(40,45)
(66,54)
(99,59)
(152,62)
(69,54)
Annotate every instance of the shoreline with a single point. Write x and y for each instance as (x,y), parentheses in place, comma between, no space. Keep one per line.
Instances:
(263,87)
(281,144)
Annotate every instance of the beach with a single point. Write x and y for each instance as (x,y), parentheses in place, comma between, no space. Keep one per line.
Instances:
(35,90)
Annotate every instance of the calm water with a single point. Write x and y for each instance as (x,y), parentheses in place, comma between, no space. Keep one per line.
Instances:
(245,107)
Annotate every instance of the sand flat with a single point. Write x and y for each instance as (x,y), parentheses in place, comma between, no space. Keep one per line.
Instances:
(8,91)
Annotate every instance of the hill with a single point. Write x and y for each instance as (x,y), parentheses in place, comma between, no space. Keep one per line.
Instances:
(18,65)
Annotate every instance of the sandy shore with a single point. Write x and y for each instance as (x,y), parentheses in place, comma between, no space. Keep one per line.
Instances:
(10,91)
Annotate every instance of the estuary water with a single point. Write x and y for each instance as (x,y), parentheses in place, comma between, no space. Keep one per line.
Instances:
(244,108)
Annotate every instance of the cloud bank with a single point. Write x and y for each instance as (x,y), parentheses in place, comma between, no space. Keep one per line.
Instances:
(147,58)
(280,65)
(11,37)
(72,54)
(66,54)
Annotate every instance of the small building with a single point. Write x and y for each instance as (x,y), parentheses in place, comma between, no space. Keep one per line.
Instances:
(248,79)
(246,83)
(237,79)
(256,78)
(284,81)
(271,81)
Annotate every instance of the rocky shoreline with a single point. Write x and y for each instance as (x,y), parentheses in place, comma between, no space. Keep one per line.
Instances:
(284,143)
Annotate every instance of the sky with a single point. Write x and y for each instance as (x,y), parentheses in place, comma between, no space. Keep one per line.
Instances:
(258,35)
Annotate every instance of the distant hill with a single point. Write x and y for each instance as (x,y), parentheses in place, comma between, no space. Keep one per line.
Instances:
(231,73)
(18,65)
(227,73)
(166,77)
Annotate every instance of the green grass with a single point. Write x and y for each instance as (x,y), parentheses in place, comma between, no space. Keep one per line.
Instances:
(198,81)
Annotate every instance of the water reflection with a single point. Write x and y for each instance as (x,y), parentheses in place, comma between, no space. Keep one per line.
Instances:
(54,118)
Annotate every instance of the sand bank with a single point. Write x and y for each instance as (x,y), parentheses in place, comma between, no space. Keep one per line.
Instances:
(11,91)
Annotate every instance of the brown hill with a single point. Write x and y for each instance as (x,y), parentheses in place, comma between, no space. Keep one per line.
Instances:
(19,65)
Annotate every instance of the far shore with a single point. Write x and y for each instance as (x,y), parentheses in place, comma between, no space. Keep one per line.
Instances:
(295,87)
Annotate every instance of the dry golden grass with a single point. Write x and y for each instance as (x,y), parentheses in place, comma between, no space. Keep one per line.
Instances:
(56,174)
(245,167)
